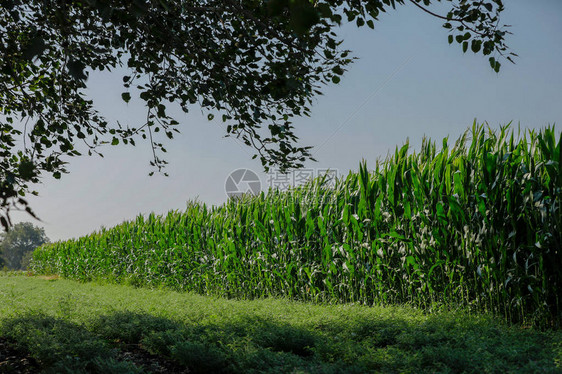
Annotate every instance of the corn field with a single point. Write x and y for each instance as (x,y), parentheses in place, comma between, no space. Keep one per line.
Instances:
(476,225)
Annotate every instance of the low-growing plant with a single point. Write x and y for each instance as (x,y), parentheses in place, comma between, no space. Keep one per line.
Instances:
(62,347)
(125,330)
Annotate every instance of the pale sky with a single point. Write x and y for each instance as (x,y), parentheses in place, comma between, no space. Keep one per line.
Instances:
(408,82)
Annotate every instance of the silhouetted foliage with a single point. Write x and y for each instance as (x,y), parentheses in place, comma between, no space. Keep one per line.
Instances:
(255,64)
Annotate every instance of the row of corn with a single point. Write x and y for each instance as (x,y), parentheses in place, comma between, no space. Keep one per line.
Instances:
(476,224)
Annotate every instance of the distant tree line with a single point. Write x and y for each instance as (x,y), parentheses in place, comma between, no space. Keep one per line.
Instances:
(18,244)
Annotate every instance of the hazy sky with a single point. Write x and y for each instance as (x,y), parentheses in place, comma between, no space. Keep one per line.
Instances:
(408,82)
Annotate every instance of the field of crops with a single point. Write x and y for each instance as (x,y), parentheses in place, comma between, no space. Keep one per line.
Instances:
(475,224)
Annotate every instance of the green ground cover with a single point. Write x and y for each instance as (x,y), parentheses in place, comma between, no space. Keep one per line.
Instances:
(63,326)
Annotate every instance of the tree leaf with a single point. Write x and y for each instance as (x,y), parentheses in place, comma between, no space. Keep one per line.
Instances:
(76,69)
(35,48)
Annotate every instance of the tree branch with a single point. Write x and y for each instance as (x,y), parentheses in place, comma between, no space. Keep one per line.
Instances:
(460,20)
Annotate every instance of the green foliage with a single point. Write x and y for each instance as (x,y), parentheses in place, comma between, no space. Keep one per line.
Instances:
(258,63)
(17,244)
(111,326)
(62,347)
(475,224)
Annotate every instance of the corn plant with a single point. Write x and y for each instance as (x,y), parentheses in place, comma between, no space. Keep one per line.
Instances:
(475,224)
